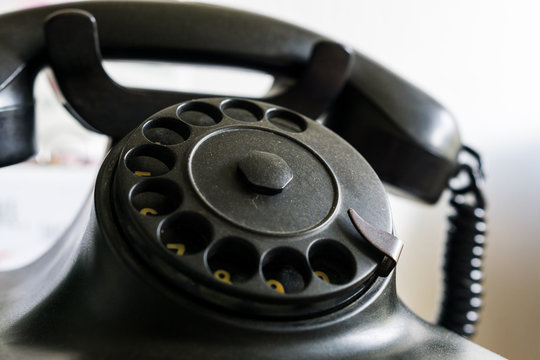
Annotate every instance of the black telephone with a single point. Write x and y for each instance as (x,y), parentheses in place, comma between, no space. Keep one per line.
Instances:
(233,228)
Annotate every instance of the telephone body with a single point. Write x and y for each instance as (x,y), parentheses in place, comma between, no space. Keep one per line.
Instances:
(223,227)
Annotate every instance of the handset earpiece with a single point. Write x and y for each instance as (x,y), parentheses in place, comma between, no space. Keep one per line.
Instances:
(17,110)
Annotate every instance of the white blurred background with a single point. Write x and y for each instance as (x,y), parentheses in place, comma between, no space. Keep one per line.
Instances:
(479,58)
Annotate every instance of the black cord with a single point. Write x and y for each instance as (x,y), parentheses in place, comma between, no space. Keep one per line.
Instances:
(462,297)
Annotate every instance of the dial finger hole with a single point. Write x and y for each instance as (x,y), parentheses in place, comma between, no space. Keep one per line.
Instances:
(199,114)
(242,110)
(285,270)
(150,160)
(233,260)
(166,131)
(332,262)
(287,120)
(155,197)
(186,233)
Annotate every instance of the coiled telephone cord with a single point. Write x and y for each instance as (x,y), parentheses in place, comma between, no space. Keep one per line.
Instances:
(462,297)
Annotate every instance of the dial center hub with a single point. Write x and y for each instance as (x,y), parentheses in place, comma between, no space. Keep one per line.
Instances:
(262,180)
(266,173)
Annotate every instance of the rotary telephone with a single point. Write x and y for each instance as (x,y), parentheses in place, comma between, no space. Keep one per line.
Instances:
(233,228)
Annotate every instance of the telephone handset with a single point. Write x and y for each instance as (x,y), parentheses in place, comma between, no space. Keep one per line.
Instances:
(222,226)
(401,127)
